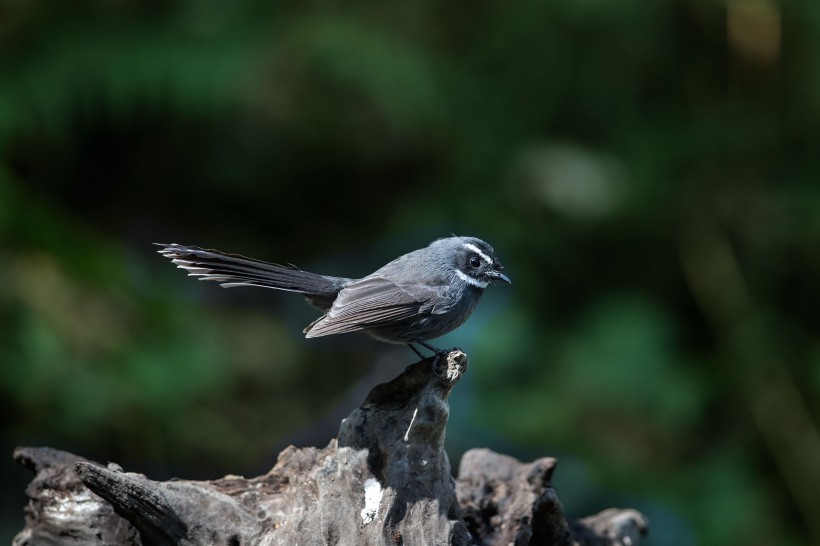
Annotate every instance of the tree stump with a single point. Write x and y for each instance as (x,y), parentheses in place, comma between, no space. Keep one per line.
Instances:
(385,480)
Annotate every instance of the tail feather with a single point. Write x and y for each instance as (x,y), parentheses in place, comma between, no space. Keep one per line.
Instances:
(231,270)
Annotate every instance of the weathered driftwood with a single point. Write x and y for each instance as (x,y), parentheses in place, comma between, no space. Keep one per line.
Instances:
(385,481)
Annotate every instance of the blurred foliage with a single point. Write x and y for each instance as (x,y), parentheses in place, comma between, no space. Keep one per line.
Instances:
(649,173)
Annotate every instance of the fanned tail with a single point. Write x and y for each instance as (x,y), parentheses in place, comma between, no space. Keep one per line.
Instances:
(231,270)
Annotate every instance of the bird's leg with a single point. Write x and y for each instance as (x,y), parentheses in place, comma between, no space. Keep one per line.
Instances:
(421,356)
(438,352)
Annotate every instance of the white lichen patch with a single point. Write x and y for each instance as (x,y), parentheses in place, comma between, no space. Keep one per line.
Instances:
(372,498)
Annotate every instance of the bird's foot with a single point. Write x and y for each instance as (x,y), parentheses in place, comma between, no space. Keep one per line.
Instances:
(441,358)
(450,365)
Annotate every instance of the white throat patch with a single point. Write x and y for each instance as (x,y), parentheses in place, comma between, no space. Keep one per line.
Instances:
(470,280)
(471,246)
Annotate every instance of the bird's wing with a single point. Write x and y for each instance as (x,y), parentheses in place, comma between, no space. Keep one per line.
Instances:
(372,302)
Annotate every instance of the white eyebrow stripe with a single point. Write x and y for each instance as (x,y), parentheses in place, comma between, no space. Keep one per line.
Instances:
(471,246)
(470,280)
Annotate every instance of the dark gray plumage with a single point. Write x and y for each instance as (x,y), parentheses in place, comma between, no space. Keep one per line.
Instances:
(418,296)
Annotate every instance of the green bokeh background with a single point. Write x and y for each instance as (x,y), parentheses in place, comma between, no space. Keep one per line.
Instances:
(649,172)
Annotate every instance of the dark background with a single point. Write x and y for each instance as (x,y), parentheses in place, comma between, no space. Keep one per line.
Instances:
(649,173)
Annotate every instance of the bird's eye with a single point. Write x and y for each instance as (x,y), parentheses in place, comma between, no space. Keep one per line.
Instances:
(475,262)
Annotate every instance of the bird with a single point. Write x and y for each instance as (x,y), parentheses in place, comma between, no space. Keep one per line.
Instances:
(415,298)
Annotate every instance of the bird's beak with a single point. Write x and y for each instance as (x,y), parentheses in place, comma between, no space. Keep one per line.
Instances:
(498,275)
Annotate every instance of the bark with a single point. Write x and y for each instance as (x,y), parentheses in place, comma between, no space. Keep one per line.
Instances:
(385,480)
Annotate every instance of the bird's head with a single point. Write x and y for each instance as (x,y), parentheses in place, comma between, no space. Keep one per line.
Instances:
(474,261)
